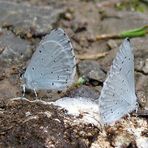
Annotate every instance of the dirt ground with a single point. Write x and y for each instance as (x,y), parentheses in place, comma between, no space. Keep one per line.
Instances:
(37,123)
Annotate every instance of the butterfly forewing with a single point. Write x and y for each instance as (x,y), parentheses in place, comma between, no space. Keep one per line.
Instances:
(52,65)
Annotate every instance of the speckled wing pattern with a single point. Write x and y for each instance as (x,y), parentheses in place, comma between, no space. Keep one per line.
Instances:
(118,97)
(53,63)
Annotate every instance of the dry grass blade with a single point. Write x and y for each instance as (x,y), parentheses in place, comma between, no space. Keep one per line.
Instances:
(107,36)
(91,56)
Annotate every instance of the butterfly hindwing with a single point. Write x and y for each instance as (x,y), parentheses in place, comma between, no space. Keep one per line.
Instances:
(52,65)
(113,101)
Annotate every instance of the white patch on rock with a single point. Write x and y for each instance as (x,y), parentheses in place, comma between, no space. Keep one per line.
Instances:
(84,107)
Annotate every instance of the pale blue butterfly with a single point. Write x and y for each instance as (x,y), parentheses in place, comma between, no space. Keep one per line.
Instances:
(52,65)
(118,97)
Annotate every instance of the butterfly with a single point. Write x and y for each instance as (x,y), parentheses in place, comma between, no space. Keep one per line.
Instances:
(118,96)
(52,65)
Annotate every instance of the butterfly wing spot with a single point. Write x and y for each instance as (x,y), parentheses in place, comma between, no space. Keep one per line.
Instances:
(32,68)
(120,69)
(66,80)
(125,57)
(40,51)
(52,83)
(51,72)
(111,110)
(128,72)
(129,59)
(122,62)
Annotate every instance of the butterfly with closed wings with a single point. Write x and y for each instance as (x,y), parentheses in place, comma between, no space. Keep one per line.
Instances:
(118,97)
(52,65)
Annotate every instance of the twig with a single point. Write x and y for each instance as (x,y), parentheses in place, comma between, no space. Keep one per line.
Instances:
(91,56)
(107,36)
(137,32)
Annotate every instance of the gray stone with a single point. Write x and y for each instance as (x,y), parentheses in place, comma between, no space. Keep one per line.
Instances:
(24,17)
(92,70)
(145,68)
(139,63)
(13,48)
(86,92)
(117,21)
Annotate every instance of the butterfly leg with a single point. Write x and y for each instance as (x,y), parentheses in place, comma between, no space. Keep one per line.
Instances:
(35,93)
(137,106)
(128,116)
(24,90)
